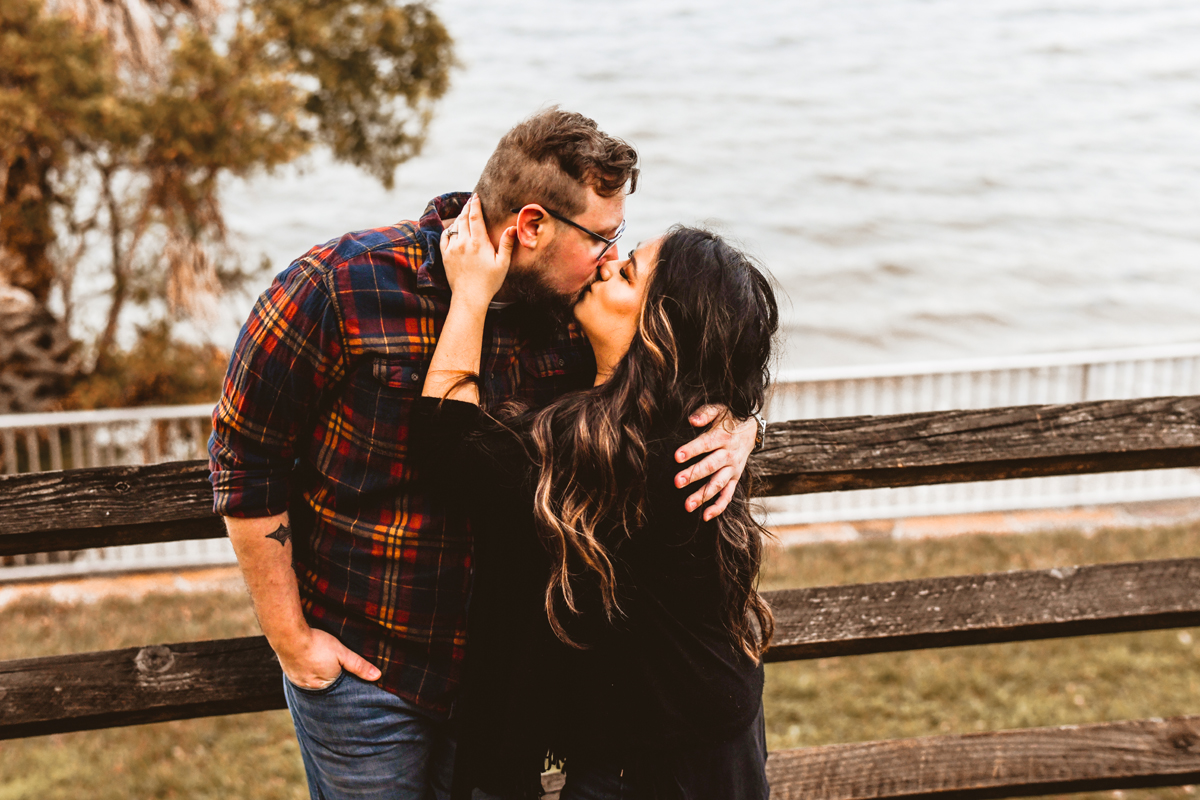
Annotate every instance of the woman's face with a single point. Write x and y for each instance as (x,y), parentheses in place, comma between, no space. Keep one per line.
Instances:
(608,310)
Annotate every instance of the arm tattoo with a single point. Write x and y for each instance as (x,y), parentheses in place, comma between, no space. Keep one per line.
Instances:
(282,534)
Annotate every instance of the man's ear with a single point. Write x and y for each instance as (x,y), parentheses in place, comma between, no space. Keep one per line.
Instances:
(532,227)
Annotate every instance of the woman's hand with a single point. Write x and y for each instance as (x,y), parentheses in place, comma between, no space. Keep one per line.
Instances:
(474,268)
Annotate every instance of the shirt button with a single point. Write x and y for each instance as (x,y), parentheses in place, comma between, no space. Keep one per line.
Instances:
(562,363)
(416,377)
(491,376)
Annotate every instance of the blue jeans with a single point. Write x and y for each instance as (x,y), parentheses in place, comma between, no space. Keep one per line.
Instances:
(360,742)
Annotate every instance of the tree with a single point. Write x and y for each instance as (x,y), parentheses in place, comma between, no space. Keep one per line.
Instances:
(120,118)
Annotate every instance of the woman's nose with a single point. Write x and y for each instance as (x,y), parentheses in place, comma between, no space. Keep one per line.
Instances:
(604,270)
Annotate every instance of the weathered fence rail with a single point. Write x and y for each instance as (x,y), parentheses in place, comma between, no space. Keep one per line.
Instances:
(85,508)
(179,681)
(164,502)
(151,435)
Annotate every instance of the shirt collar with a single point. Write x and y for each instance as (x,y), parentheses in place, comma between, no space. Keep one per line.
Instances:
(432,273)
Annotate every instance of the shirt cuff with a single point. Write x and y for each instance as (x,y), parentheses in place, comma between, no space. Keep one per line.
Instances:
(249,494)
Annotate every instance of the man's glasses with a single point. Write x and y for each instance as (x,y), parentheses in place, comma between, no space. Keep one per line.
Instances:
(608,243)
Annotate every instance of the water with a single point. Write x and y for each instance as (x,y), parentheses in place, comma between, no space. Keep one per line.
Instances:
(925,178)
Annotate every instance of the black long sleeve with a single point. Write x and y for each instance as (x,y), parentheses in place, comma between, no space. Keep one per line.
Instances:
(663,676)
(505,710)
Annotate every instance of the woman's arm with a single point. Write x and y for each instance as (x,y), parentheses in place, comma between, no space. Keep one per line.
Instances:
(475,272)
(446,419)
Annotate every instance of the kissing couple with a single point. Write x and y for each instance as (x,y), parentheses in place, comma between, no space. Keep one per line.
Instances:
(485,478)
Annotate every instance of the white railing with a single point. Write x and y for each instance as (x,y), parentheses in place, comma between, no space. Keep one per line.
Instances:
(33,442)
(110,437)
(986,383)
(104,438)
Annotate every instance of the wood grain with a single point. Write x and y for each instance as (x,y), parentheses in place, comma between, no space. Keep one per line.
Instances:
(85,508)
(1012,763)
(92,690)
(16,543)
(87,691)
(77,509)
(979,609)
(822,455)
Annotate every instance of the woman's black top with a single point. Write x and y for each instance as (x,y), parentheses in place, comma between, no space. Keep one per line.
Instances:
(660,678)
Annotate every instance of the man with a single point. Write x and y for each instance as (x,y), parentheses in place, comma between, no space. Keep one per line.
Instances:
(359,580)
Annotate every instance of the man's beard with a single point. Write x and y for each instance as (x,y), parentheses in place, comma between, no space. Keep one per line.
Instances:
(529,286)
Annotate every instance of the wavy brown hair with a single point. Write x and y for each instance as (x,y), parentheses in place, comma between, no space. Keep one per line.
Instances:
(704,336)
(551,158)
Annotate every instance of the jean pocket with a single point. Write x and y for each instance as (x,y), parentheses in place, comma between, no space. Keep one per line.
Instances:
(318,692)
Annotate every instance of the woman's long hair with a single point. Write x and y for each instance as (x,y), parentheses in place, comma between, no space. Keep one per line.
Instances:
(704,336)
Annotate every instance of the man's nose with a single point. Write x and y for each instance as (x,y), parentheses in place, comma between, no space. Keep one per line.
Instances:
(610,254)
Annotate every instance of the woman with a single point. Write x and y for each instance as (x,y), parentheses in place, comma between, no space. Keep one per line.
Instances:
(608,626)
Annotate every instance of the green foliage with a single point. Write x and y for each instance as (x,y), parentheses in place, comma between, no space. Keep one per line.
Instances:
(363,56)
(157,370)
(215,114)
(57,91)
(114,140)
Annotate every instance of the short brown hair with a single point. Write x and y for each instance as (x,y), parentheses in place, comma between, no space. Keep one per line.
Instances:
(549,159)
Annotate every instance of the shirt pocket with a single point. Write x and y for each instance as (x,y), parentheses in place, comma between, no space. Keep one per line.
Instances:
(552,363)
(550,372)
(389,390)
(399,373)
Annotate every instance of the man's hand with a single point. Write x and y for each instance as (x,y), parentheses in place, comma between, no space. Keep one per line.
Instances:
(310,658)
(728,444)
(314,659)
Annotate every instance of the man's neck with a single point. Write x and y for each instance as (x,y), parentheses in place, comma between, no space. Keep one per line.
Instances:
(506,294)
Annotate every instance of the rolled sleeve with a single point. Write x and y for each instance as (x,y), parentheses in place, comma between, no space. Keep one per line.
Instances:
(288,358)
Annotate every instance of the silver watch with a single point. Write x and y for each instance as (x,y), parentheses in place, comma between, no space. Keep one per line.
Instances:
(761,435)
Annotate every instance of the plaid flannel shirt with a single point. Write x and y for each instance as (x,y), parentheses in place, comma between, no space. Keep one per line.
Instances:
(313,419)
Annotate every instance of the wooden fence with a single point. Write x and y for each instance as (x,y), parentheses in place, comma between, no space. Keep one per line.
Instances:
(169,502)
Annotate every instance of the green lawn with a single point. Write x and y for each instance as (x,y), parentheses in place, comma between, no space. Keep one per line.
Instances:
(832,700)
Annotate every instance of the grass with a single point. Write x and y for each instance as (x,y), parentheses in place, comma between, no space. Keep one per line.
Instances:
(243,756)
(1070,681)
(992,687)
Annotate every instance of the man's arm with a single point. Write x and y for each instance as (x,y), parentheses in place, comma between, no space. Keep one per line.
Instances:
(288,356)
(310,658)
(729,444)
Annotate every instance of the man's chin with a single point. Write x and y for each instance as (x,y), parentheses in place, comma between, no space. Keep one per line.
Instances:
(528,288)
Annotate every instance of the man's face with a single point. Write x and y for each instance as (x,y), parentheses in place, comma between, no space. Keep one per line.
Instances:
(567,260)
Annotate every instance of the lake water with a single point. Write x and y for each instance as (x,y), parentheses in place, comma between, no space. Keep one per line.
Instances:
(925,178)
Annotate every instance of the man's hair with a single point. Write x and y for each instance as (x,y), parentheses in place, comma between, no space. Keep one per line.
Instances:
(550,159)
